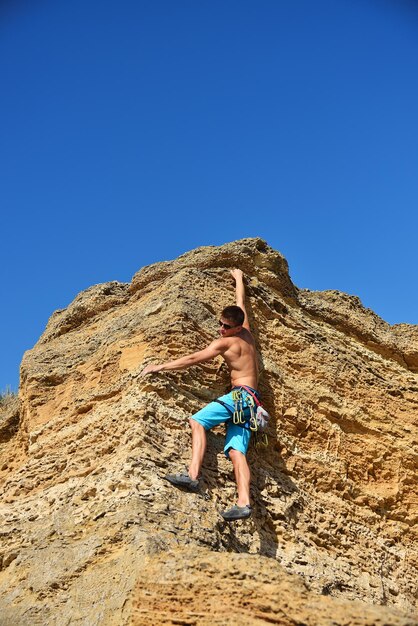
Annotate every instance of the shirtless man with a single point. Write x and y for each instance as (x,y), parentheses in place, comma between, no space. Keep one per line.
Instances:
(237,347)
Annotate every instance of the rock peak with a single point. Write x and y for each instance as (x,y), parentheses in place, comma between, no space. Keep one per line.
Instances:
(253,255)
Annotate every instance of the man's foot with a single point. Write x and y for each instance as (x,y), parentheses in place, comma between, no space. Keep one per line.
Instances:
(237,512)
(183,480)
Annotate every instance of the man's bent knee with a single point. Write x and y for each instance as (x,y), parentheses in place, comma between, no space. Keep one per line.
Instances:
(236,455)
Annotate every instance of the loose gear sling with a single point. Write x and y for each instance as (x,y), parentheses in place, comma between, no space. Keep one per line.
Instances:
(257,420)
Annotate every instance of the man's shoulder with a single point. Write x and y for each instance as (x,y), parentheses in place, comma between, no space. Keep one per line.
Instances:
(238,340)
(220,344)
(224,343)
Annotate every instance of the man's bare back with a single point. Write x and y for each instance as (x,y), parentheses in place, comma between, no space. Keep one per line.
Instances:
(240,355)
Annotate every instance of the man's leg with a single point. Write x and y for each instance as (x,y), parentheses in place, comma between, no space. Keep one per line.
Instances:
(198,448)
(242,476)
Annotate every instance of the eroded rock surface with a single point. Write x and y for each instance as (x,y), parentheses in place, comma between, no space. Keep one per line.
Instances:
(91,533)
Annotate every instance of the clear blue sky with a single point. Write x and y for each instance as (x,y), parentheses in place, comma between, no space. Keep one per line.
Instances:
(133,131)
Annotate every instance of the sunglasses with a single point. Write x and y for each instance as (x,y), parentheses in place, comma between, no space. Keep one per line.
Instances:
(226,326)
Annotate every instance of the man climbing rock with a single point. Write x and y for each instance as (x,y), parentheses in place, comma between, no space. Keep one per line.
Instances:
(236,345)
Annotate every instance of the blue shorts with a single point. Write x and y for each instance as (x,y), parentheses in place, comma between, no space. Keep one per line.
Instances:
(237,437)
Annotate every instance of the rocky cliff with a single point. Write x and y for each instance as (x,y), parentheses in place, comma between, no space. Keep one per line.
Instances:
(91,533)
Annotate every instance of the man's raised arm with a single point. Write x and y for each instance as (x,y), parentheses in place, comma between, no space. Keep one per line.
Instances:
(240,294)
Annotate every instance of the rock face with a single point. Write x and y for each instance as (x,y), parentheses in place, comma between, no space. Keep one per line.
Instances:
(91,533)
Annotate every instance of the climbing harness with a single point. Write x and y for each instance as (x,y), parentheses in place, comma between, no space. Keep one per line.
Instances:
(259,417)
(252,416)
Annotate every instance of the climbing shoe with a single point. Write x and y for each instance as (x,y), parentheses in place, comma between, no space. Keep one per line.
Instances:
(237,512)
(183,480)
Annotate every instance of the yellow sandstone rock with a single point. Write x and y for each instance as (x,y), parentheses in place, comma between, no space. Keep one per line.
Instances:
(91,533)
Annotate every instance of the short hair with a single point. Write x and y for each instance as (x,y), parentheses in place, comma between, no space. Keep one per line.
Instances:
(234,314)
